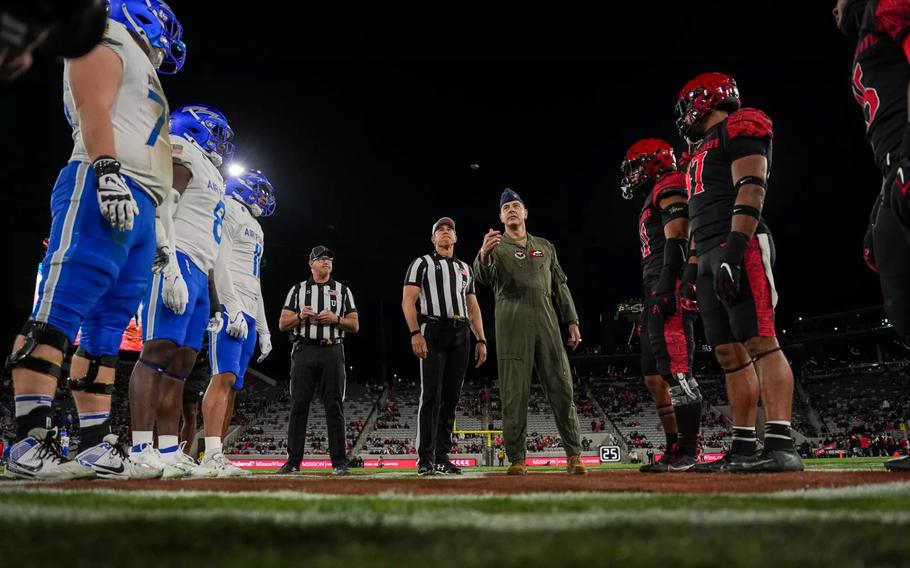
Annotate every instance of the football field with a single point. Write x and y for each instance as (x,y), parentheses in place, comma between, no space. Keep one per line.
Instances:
(840,513)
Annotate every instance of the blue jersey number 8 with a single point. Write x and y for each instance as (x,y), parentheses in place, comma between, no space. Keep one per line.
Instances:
(257,256)
(219,220)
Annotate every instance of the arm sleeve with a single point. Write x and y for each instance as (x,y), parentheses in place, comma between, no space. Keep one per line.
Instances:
(415,273)
(561,290)
(349,305)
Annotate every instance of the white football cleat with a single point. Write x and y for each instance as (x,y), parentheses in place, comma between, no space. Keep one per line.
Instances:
(223,466)
(110,461)
(39,457)
(184,463)
(148,460)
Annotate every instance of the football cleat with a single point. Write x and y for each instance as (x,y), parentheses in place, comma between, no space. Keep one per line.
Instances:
(39,457)
(222,466)
(769,461)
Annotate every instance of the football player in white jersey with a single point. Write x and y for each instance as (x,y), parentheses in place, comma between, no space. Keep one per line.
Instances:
(200,143)
(102,241)
(247,197)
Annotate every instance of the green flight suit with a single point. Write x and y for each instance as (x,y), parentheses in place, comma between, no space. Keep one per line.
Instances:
(528,340)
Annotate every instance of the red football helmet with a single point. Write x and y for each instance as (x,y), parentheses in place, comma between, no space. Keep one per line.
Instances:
(701,95)
(645,161)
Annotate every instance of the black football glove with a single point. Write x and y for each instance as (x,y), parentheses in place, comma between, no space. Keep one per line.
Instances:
(662,300)
(688,301)
(899,196)
(728,275)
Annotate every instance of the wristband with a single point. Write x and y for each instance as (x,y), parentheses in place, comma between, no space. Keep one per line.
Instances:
(483,341)
(339,319)
(747,210)
(415,332)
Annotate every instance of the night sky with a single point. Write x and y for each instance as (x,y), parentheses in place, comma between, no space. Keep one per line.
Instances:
(366,123)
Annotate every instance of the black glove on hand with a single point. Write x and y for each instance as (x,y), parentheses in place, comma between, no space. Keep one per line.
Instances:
(728,274)
(688,301)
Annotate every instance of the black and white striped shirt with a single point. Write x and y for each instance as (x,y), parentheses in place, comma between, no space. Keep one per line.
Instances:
(444,285)
(333,296)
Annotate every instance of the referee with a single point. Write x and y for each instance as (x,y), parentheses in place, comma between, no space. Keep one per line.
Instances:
(318,312)
(439,305)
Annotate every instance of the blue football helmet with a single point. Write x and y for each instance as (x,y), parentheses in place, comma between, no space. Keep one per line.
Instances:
(206,126)
(253,188)
(154,23)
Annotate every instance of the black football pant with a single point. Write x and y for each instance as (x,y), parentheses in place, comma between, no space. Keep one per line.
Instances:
(891,243)
(441,376)
(316,370)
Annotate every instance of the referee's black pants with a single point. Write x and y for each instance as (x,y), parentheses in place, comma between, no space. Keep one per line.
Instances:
(318,370)
(441,376)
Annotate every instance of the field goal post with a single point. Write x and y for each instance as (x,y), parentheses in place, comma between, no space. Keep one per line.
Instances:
(488,454)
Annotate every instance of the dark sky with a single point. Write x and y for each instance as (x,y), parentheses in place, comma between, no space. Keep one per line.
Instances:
(366,123)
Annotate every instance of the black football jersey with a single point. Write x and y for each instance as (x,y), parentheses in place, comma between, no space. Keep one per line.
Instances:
(651,227)
(881,74)
(709,177)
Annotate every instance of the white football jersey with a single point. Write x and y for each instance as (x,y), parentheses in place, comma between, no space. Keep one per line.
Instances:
(246,244)
(198,223)
(139,116)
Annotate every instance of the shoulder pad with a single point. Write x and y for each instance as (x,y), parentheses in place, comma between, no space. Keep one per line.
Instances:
(892,17)
(668,185)
(749,123)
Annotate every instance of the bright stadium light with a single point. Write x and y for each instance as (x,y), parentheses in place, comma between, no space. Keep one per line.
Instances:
(235,170)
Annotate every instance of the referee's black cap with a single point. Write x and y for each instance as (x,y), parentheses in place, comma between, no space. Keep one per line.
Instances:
(321,251)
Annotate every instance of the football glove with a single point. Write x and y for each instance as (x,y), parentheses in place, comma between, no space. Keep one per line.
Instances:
(265,346)
(174,291)
(728,275)
(688,301)
(115,200)
(216,322)
(237,326)
(899,198)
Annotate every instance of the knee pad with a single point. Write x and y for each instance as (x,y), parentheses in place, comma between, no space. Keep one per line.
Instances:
(685,391)
(87,383)
(760,355)
(37,333)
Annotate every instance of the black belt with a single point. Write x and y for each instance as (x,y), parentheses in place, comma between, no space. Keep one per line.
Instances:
(456,321)
(319,342)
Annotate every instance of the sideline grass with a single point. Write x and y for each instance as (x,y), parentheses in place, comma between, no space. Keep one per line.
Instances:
(842,527)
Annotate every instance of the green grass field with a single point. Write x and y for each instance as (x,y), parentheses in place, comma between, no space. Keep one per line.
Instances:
(857,526)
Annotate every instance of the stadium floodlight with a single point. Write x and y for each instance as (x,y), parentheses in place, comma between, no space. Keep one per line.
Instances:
(235,170)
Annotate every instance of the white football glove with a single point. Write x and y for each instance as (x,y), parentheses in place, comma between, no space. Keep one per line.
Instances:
(216,322)
(163,248)
(174,291)
(265,346)
(114,197)
(237,326)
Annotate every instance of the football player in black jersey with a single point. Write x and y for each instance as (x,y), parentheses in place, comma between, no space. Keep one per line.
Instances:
(880,77)
(730,156)
(667,346)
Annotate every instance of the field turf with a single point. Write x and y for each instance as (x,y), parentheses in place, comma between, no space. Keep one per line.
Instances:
(100,526)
